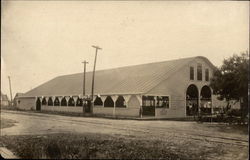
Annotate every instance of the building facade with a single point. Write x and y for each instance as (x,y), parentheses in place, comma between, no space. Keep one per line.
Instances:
(169,89)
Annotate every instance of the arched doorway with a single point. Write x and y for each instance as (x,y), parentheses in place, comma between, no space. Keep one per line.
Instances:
(71,102)
(206,100)
(50,102)
(98,101)
(56,102)
(192,96)
(44,102)
(79,102)
(63,102)
(120,102)
(38,104)
(108,102)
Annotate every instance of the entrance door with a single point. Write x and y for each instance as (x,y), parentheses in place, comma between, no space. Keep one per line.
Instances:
(87,105)
(192,100)
(206,101)
(38,104)
(148,106)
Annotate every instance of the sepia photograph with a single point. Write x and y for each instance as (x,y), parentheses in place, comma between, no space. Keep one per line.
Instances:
(142,79)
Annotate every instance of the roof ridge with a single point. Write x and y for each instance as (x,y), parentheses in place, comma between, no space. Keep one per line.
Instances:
(140,78)
(168,75)
(131,66)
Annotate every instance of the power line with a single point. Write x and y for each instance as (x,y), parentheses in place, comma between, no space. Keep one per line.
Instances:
(10,91)
(84,77)
(93,78)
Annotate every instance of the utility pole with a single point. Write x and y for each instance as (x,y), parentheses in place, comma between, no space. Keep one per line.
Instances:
(84,77)
(93,78)
(10,91)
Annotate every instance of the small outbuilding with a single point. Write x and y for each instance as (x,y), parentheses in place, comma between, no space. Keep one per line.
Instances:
(4,100)
(168,89)
(16,98)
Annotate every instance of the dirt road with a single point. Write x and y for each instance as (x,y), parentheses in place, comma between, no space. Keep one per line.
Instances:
(181,133)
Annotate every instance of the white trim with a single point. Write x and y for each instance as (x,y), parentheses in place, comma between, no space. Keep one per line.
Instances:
(139,98)
(127,98)
(103,98)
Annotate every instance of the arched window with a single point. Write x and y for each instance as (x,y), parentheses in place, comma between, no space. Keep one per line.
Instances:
(64,102)
(56,102)
(199,72)
(207,75)
(50,102)
(108,102)
(98,101)
(44,102)
(120,102)
(71,102)
(191,73)
(79,102)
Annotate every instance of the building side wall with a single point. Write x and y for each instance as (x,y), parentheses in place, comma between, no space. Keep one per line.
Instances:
(27,103)
(176,86)
(133,102)
(4,103)
(77,109)
(132,109)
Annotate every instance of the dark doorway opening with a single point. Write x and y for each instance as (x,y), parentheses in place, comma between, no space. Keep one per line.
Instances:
(38,104)
(120,102)
(192,96)
(206,100)
(87,105)
(56,102)
(63,102)
(79,102)
(71,102)
(148,106)
(98,101)
(50,102)
(108,102)
(44,102)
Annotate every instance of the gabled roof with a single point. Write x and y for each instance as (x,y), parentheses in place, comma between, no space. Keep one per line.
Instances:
(135,79)
(19,95)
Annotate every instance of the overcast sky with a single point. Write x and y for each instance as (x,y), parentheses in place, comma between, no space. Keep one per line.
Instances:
(43,39)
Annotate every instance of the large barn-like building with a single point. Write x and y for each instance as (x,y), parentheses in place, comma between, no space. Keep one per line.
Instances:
(168,89)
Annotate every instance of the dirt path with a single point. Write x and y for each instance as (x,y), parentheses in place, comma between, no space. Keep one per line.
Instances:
(180,133)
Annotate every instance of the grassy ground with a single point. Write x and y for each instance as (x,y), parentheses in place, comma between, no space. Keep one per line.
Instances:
(118,146)
(6,123)
(97,146)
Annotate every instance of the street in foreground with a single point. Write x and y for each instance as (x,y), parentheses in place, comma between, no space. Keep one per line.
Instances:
(36,135)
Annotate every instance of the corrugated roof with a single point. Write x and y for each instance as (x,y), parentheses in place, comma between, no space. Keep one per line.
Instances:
(124,80)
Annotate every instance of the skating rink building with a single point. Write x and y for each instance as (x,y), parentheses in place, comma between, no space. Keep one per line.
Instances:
(168,89)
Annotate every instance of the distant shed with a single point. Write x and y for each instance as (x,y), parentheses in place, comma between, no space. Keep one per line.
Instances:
(4,100)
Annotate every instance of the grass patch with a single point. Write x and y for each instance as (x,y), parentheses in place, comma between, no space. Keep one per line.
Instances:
(93,146)
(6,123)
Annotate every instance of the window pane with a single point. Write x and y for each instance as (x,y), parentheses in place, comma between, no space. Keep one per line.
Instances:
(163,102)
(148,101)
(191,73)
(199,72)
(207,75)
